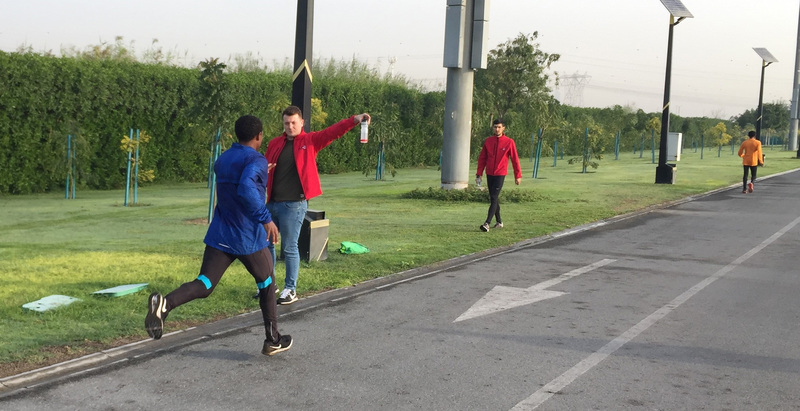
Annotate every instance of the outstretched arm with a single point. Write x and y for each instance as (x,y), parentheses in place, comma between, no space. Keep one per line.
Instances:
(323,138)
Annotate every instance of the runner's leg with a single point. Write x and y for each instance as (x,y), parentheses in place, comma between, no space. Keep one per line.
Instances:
(215,262)
(259,264)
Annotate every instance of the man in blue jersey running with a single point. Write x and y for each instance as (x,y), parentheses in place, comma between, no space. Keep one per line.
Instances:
(241,229)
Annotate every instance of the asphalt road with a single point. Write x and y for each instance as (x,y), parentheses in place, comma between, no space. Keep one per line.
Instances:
(693,306)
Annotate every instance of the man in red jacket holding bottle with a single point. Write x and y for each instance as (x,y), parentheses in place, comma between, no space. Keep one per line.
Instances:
(293,180)
(496,151)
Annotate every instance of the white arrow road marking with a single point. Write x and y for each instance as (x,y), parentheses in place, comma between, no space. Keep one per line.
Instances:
(502,298)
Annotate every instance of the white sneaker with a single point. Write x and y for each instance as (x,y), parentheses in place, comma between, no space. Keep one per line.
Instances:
(498,225)
(287,297)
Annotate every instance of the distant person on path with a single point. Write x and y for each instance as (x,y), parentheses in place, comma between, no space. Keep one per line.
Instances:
(497,150)
(294,181)
(240,230)
(752,157)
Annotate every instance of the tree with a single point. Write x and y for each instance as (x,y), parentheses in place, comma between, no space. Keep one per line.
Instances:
(776,116)
(737,133)
(212,104)
(104,51)
(156,55)
(130,145)
(654,124)
(718,134)
(592,146)
(515,79)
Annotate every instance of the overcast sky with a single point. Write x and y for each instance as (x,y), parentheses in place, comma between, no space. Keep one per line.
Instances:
(617,47)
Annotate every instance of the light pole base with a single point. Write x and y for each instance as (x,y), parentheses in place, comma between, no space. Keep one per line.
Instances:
(454,186)
(665,174)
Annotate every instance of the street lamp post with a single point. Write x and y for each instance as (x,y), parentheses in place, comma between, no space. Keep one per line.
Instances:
(303,44)
(665,173)
(766,59)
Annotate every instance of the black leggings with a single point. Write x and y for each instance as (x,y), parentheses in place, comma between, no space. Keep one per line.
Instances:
(752,170)
(495,184)
(215,263)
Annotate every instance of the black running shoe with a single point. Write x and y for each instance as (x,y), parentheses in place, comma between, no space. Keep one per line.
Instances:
(272,348)
(156,313)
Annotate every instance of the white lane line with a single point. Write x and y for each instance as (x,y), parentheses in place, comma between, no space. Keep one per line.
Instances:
(581,229)
(560,382)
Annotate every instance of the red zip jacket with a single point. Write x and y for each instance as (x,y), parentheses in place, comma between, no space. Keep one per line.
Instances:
(306,147)
(494,157)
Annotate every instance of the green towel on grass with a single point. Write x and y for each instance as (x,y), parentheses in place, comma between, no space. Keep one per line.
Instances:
(349,247)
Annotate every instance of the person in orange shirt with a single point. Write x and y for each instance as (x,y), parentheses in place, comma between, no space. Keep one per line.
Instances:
(752,157)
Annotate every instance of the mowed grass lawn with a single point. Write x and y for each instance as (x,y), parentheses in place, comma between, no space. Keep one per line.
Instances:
(50,245)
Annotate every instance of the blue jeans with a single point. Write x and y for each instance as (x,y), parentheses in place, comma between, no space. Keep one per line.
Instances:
(288,216)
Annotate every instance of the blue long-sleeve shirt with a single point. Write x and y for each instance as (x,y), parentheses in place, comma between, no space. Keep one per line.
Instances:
(241,212)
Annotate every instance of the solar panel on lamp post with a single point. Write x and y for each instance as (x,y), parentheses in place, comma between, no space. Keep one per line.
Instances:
(766,59)
(665,173)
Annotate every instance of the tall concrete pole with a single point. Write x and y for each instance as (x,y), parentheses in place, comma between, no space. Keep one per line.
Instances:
(458,98)
(793,122)
(303,42)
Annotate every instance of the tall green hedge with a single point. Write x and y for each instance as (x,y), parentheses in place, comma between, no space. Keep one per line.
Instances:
(45,98)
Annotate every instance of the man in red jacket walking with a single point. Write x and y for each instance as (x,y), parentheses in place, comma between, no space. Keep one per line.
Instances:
(496,151)
(293,180)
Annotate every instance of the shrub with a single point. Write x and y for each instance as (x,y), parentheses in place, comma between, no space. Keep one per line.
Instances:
(471,194)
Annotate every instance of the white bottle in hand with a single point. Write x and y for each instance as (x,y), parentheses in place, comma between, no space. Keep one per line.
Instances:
(364,131)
